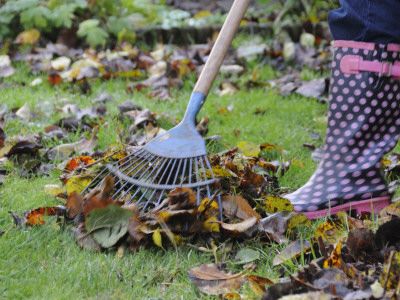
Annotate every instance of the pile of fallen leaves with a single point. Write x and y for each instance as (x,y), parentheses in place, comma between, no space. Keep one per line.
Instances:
(347,257)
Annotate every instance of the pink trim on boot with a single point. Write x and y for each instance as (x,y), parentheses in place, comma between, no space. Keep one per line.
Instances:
(364,45)
(358,206)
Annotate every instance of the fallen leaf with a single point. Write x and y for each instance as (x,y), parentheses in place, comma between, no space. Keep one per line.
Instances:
(24,147)
(313,88)
(257,284)
(209,279)
(75,204)
(157,239)
(85,241)
(237,205)
(238,228)
(77,184)
(292,251)
(107,225)
(248,149)
(336,261)
(78,161)
(30,36)
(329,231)
(245,256)
(6,70)
(274,204)
(53,189)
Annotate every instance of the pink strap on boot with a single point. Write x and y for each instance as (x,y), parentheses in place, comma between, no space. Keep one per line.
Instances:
(353,64)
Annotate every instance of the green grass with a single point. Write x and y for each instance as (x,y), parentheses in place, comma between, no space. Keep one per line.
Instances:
(46,263)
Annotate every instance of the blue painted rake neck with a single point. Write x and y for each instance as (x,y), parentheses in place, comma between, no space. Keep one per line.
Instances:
(183,140)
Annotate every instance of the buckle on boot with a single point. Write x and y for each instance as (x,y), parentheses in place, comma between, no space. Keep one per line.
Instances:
(390,66)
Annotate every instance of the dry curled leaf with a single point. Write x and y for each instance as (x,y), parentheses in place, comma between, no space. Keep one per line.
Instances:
(211,280)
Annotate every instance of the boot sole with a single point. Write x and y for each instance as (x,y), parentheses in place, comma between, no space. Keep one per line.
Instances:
(359,206)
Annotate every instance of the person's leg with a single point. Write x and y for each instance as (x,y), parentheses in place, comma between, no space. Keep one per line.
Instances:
(363,117)
(374,21)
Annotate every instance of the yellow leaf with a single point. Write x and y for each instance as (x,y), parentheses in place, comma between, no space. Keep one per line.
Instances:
(209,226)
(335,260)
(297,220)
(30,36)
(329,232)
(268,146)
(77,184)
(220,172)
(202,14)
(274,204)
(393,267)
(157,239)
(248,149)
(53,189)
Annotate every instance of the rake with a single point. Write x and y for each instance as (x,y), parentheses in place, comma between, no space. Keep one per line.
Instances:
(177,158)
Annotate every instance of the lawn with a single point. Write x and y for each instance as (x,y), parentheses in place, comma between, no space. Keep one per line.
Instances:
(45,262)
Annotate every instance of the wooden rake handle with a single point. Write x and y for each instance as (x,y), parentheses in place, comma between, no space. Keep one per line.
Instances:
(221,47)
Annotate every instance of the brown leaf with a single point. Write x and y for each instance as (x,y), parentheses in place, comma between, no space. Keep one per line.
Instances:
(99,197)
(2,137)
(24,147)
(235,204)
(246,227)
(359,241)
(75,204)
(54,78)
(257,284)
(209,279)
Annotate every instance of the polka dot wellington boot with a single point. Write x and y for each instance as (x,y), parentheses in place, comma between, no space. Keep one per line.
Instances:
(363,125)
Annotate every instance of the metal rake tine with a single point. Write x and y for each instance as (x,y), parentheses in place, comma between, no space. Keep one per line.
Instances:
(177,171)
(140,177)
(217,191)
(197,180)
(120,189)
(165,170)
(172,168)
(124,184)
(144,160)
(154,177)
(136,192)
(183,171)
(205,176)
(190,170)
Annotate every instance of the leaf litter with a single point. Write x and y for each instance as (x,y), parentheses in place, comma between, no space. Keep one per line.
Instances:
(350,258)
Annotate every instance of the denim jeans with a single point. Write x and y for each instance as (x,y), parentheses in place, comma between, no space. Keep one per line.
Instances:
(375,21)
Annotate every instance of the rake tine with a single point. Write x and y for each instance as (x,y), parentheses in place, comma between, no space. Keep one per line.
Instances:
(183,171)
(133,158)
(190,170)
(177,171)
(218,193)
(165,170)
(140,177)
(126,183)
(197,180)
(170,173)
(154,177)
(205,176)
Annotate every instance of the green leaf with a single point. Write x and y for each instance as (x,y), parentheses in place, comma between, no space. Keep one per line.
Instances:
(108,225)
(36,17)
(63,15)
(93,34)
(245,256)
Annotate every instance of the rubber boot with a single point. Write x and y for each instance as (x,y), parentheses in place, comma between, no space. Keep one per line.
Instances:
(363,125)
